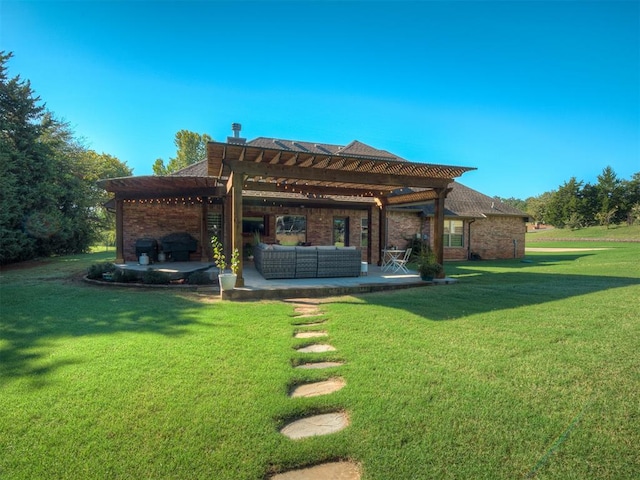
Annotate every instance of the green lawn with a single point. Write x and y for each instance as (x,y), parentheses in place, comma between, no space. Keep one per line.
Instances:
(521,370)
(619,233)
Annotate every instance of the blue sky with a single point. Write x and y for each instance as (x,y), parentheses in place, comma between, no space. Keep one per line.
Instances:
(529,93)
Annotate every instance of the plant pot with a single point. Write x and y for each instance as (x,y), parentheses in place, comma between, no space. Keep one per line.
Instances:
(227,281)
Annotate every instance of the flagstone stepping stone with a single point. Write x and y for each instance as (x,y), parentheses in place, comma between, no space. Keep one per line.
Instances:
(314,324)
(307,311)
(318,388)
(319,365)
(316,348)
(308,315)
(325,471)
(316,425)
(316,334)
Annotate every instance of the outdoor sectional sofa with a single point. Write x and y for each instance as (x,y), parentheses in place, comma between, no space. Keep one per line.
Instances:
(278,261)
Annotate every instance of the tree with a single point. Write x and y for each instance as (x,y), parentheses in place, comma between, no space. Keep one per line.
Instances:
(514,202)
(22,162)
(609,195)
(564,205)
(49,202)
(537,207)
(631,198)
(191,148)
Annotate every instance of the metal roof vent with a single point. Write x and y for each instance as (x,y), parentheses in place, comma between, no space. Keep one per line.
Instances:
(236,139)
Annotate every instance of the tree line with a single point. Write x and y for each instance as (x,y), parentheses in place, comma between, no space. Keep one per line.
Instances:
(576,204)
(49,201)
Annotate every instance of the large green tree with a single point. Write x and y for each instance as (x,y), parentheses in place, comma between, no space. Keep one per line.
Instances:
(23,162)
(49,203)
(631,198)
(191,148)
(563,208)
(610,197)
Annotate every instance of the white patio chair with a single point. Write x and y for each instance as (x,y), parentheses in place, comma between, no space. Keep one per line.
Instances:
(400,264)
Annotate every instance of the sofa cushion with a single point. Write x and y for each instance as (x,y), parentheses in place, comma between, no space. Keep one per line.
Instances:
(306,262)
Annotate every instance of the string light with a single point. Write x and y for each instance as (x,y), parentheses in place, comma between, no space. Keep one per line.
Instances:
(187,201)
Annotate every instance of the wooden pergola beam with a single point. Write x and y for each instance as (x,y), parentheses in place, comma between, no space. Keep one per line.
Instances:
(295,172)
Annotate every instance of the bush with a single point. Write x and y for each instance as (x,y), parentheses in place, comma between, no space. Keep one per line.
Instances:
(154,277)
(124,276)
(95,271)
(199,278)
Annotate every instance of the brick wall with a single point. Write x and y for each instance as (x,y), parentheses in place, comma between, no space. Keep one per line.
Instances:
(152,220)
(493,237)
(319,224)
(402,227)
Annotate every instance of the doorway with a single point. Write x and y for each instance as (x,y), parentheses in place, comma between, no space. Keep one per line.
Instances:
(341,231)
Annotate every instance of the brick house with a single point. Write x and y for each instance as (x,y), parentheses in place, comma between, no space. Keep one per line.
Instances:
(476,225)
(311,193)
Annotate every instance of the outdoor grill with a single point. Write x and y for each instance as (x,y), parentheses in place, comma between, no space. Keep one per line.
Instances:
(148,246)
(179,245)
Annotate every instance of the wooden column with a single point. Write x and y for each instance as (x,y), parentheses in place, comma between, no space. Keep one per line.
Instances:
(204,234)
(369,230)
(119,231)
(382,231)
(235,182)
(438,226)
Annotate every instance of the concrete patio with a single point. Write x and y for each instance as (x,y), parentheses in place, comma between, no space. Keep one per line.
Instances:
(257,287)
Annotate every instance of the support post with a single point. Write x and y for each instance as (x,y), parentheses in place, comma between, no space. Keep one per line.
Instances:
(382,229)
(236,181)
(204,234)
(438,226)
(369,235)
(119,232)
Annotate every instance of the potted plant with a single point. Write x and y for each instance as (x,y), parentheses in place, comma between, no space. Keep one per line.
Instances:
(227,280)
(428,267)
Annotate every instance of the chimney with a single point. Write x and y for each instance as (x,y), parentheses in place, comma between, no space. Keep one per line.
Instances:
(236,139)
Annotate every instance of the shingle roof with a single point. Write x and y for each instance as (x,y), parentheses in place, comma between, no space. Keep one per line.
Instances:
(463,201)
(354,149)
(198,169)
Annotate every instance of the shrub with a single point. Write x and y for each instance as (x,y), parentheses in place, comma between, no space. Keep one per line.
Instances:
(124,276)
(96,270)
(154,277)
(199,278)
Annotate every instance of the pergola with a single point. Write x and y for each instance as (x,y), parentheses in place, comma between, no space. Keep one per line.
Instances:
(233,167)
(254,168)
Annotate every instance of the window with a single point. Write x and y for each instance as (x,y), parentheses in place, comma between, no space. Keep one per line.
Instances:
(364,232)
(251,225)
(453,233)
(214,225)
(291,229)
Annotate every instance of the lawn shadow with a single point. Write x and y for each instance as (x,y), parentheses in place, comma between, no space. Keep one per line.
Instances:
(40,314)
(500,285)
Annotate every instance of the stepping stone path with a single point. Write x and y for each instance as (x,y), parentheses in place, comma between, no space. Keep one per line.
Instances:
(314,324)
(333,471)
(323,424)
(318,365)
(316,334)
(318,388)
(317,348)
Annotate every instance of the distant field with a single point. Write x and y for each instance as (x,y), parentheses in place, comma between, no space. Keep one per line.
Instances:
(615,233)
